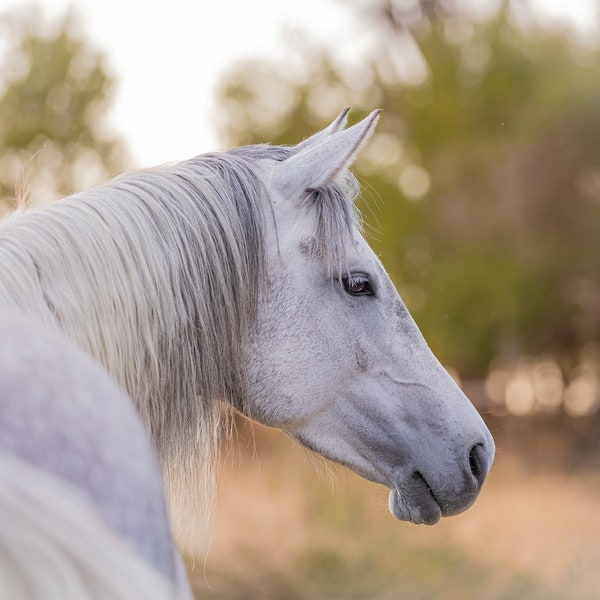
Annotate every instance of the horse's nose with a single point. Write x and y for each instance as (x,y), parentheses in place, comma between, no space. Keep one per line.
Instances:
(480,460)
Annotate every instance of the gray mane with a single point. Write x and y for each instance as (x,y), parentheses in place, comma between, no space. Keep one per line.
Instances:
(157,274)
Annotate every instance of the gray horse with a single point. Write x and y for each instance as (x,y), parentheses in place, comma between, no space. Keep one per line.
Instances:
(242,279)
(82,505)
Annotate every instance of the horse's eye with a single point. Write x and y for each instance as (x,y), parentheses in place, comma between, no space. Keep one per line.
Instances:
(358,285)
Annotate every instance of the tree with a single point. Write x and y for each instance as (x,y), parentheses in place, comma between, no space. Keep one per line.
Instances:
(54,93)
(485,163)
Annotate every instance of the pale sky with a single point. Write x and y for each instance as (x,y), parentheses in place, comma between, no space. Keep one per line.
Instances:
(167,56)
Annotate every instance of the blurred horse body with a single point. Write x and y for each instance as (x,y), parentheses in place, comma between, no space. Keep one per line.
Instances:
(242,279)
(82,505)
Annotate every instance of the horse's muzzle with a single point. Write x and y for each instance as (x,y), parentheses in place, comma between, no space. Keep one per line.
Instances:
(420,500)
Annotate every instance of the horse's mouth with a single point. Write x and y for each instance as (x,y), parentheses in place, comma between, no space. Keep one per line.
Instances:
(415,501)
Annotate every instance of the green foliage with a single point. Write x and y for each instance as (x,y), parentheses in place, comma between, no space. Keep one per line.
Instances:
(54,91)
(482,184)
(494,304)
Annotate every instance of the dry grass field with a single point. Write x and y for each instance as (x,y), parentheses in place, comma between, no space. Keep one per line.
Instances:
(287,528)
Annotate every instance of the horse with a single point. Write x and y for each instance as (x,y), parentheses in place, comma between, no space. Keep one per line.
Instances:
(81,493)
(242,281)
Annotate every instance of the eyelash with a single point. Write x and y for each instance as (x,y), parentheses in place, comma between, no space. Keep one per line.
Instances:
(358,285)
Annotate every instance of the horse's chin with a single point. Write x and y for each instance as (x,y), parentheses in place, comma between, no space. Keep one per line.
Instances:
(415,503)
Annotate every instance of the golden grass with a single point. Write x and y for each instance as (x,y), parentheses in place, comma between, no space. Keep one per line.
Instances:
(283,529)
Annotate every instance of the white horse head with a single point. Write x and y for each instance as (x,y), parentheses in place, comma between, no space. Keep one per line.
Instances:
(336,360)
(243,277)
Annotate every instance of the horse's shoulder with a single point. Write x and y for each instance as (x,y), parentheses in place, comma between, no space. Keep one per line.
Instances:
(63,414)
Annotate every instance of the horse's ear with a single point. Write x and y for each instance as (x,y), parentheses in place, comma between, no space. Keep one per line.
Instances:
(324,162)
(317,138)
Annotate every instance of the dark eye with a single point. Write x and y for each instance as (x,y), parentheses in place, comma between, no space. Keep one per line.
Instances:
(358,285)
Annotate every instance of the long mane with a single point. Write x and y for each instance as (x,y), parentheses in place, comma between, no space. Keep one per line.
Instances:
(157,275)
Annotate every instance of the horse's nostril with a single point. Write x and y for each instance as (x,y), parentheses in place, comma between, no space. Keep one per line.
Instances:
(477,463)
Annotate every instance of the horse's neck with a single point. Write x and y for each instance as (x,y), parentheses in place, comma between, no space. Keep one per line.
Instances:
(74,267)
(154,276)
(100,272)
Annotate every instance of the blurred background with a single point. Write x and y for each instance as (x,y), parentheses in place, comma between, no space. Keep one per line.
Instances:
(481,194)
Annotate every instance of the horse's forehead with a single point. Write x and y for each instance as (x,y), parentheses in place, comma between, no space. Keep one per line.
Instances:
(356,255)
